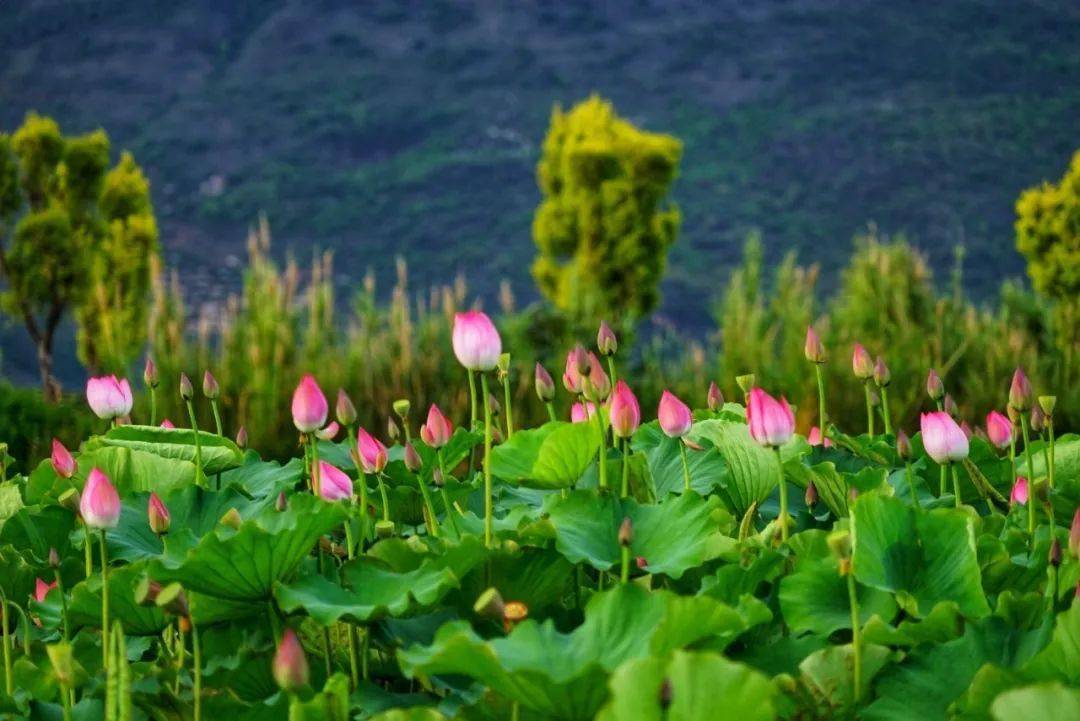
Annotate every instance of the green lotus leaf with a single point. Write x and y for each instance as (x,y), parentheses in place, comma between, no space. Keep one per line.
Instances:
(924,557)
(831,485)
(753,471)
(1060,659)
(815,598)
(829,675)
(943,623)
(244,564)
(373,588)
(16,575)
(1046,702)
(1066,495)
(587,524)
(699,684)
(707,468)
(410,714)
(263,479)
(555,455)
(133,470)
(218,453)
(538,576)
(37,529)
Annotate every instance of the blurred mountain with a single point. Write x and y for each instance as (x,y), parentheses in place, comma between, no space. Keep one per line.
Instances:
(380,128)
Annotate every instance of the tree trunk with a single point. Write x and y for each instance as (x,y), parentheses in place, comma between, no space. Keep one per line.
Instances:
(50,386)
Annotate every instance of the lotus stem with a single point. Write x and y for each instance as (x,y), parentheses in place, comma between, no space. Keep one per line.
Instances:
(9,683)
(354,661)
(385,497)
(625,467)
(685,466)
(822,422)
(911,484)
(428,505)
(509,409)
(625,574)
(942,482)
(783,518)
(364,530)
(196,655)
(198,443)
(611,370)
(217,416)
(63,604)
(602,454)
(885,410)
(313,469)
(104,602)
(955,483)
(856,635)
(181,651)
(869,410)
(1050,457)
(1031,479)
(88,548)
(551,411)
(444,494)
(472,417)
(153,406)
(489,509)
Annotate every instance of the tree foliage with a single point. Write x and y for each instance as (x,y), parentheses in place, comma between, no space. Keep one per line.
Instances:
(603,228)
(74,235)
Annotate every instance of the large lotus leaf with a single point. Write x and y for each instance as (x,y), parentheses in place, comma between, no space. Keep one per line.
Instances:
(373,588)
(815,598)
(16,575)
(1066,471)
(707,467)
(832,486)
(755,567)
(1060,660)
(218,453)
(244,564)
(133,470)
(943,623)
(753,471)
(1046,702)
(263,479)
(537,576)
(829,675)
(681,533)
(410,714)
(924,557)
(562,676)
(37,529)
(555,455)
(699,685)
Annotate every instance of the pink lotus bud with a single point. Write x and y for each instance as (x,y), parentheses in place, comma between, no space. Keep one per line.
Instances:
(109,397)
(242,437)
(62,461)
(329,432)
(166,423)
(950,406)
(309,407)
(813,349)
(903,445)
(596,386)
(100,504)
(412,459)
(882,376)
(333,484)
(290,664)
(438,429)
(1019,494)
(578,412)
(372,453)
(1020,392)
(674,416)
(545,387)
(577,366)
(771,421)
(606,342)
(624,411)
(1038,418)
(1054,556)
(187,392)
(150,374)
(861,363)
(392,430)
(999,429)
(714,398)
(282,502)
(934,387)
(966,429)
(942,438)
(811,494)
(815,438)
(41,589)
(477,344)
(210,386)
(1074,535)
(157,514)
(344,409)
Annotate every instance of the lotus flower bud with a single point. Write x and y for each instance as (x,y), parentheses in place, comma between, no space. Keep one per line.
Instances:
(167,424)
(950,406)
(771,421)
(714,398)
(666,694)
(606,342)
(109,397)
(231,519)
(1048,403)
(309,407)
(861,363)
(545,386)
(596,386)
(62,461)
(581,413)
(1020,393)
(328,433)
(437,477)
(624,411)
(514,613)
(100,503)
(371,451)
(437,430)
(1074,534)
(577,366)
(934,386)
(942,438)
(1014,415)
(903,445)
(157,514)
(150,374)
(1054,556)
(745,382)
(1019,493)
(242,437)
(998,429)
(54,558)
(813,349)
(282,502)
(210,386)
(290,664)
(412,458)
(490,604)
(816,438)
(392,430)
(875,399)
(344,409)
(384,529)
(641,562)
(496,435)
(187,392)
(1038,418)
(334,484)
(674,416)
(811,494)
(476,342)
(626,532)
(41,589)
(402,406)
(882,376)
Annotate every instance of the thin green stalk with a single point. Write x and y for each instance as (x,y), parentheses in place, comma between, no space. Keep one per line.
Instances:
(65,699)
(104,602)
(509,409)
(783,500)
(611,370)
(625,575)
(364,530)
(354,661)
(5,638)
(217,416)
(625,467)
(942,475)
(955,484)
(445,495)
(472,418)
(196,650)
(384,496)
(88,548)
(551,410)
(823,423)
(1031,479)
(489,508)
(181,646)
(153,406)
(428,505)
(1050,462)
(911,484)
(885,410)
(856,635)
(313,471)
(1046,457)
(869,409)
(198,443)
(63,604)
(365,655)
(685,466)
(602,453)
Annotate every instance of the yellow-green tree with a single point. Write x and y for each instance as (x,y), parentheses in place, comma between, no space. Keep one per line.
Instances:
(75,236)
(604,227)
(1048,235)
